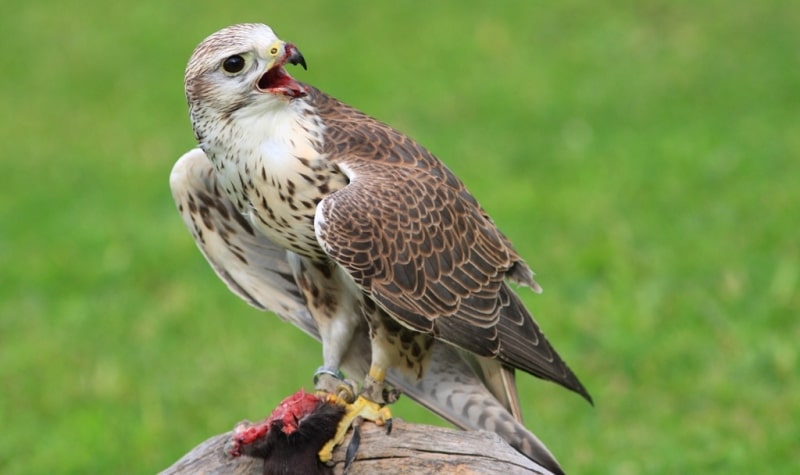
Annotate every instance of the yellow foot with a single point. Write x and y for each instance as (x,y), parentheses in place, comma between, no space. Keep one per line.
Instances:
(362,407)
(342,395)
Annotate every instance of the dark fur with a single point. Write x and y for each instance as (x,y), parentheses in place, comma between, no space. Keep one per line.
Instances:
(297,453)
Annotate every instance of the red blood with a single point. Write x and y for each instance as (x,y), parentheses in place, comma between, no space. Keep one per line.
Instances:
(292,409)
(285,417)
(249,434)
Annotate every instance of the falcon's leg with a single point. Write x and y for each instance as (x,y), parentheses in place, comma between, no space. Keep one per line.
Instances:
(392,346)
(374,388)
(336,332)
(371,403)
(336,310)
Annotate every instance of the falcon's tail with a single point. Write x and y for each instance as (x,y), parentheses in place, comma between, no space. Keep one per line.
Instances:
(452,390)
(256,269)
(524,346)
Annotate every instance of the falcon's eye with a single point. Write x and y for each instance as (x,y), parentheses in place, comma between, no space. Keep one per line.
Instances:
(233,64)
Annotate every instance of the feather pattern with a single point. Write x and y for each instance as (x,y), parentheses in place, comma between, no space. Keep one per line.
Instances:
(413,237)
(456,386)
(360,236)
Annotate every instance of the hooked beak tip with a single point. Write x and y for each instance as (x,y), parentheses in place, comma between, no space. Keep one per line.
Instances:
(295,57)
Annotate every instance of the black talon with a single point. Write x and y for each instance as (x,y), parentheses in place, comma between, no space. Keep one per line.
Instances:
(352,447)
(389,427)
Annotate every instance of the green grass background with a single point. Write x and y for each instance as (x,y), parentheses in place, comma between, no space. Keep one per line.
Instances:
(643,156)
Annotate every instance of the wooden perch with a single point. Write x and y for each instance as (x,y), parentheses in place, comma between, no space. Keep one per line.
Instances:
(410,448)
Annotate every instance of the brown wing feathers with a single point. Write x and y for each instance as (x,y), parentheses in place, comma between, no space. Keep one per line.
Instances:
(415,239)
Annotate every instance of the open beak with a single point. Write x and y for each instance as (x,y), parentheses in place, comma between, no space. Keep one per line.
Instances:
(276,80)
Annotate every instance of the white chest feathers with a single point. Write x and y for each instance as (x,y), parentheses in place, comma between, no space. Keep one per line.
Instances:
(273,168)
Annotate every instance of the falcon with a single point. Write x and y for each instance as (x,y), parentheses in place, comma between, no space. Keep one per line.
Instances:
(360,237)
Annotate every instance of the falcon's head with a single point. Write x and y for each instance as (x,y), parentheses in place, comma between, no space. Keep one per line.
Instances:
(241,65)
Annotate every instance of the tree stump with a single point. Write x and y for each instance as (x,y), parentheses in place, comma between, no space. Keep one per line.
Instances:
(410,448)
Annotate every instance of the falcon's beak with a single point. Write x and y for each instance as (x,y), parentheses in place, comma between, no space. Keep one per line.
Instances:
(294,56)
(276,80)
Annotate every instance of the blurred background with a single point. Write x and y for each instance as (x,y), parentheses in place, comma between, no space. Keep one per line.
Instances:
(643,156)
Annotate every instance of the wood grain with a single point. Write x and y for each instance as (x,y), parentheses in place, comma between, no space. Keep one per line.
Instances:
(410,448)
